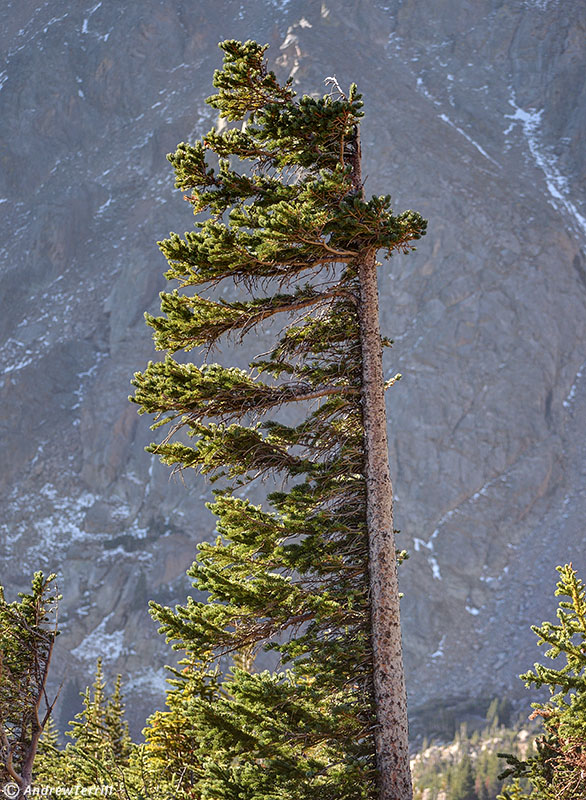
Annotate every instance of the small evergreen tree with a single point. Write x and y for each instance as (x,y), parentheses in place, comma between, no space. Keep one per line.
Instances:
(116,725)
(88,729)
(558,769)
(100,751)
(48,763)
(177,746)
(315,577)
(28,629)
(461,780)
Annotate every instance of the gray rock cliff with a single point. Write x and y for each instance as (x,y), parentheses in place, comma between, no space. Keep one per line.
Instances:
(476,116)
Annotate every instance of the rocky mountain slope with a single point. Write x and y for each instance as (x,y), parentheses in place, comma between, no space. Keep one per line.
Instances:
(476,113)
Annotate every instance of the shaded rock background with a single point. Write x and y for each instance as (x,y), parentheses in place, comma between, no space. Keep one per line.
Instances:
(476,112)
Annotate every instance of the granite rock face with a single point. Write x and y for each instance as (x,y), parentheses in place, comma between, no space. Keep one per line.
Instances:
(476,117)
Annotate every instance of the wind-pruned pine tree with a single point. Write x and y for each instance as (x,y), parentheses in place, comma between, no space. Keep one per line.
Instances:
(28,629)
(558,769)
(313,577)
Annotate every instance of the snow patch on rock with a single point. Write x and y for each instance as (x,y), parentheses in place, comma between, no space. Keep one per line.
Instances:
(147,679)
(557,184)
(99,644)
(440,648)
(572,393)
(468,138)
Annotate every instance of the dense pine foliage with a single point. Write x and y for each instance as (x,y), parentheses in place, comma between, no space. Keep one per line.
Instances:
(28,629)
(285,235)
(98,753)
(558,770)
(543,765)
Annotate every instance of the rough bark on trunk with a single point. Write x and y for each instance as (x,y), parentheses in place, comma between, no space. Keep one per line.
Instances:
(391,736)
(27,769)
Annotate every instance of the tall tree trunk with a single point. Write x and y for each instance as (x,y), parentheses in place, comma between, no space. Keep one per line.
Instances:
(391,737)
